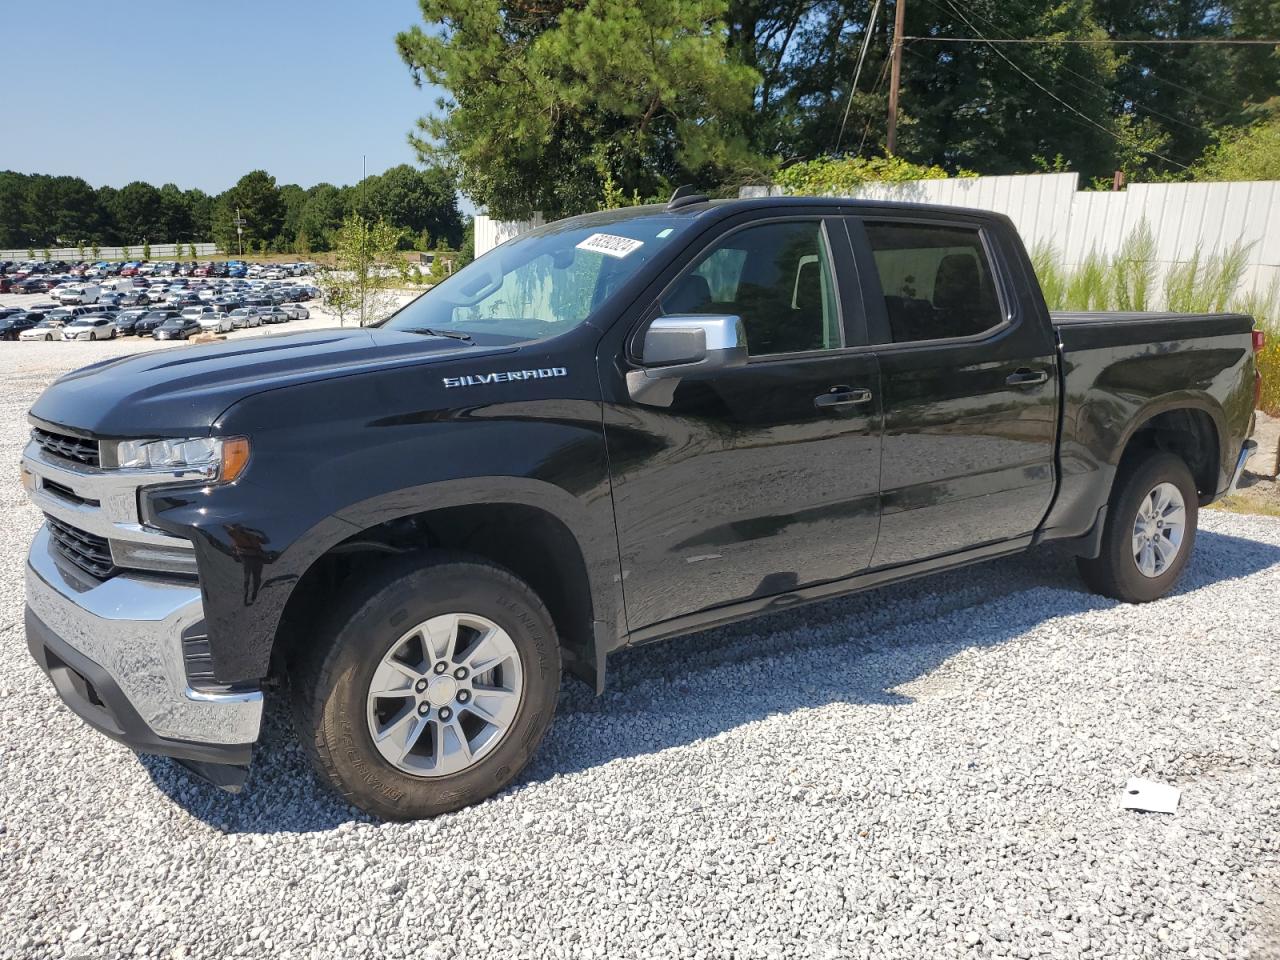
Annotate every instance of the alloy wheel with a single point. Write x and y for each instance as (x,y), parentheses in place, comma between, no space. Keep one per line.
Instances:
(1158,529)
(445,694)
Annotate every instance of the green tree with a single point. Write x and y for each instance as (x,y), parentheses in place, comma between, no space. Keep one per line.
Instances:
(412,200)
(258,200)
(146,251)
(1249,154)
(191,250)
(545,99)
(356,286)
(139,212)
(97,252)
(321,215)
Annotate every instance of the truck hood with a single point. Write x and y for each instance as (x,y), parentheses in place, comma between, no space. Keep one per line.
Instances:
(181,392)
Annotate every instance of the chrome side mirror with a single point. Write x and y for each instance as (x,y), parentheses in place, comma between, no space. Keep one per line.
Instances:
(680,346)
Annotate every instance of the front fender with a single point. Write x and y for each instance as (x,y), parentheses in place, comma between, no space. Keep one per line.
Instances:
(333,458)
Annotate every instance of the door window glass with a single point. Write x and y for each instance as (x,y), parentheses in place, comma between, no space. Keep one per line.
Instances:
(776,277)
(936,279)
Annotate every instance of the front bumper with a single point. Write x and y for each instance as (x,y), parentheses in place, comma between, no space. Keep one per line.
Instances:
(114,652)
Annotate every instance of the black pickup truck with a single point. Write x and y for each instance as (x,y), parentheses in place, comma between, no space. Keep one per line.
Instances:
(612,430)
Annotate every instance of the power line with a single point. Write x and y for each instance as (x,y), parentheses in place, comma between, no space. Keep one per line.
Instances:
(1239,42)
(1087,119)
(1198,94)
(858,72)
(1075,73)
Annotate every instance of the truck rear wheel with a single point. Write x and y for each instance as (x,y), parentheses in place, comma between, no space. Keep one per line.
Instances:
(1150,530)
(430,689)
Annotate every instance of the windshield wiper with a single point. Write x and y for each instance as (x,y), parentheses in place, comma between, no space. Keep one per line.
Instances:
(451,334)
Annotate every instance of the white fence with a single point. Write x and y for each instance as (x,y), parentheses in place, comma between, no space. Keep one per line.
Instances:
(1051,208)
(159,251)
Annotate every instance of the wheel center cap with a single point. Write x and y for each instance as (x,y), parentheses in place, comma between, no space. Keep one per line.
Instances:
(442,690)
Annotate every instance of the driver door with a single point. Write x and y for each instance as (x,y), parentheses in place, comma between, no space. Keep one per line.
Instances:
(755,481)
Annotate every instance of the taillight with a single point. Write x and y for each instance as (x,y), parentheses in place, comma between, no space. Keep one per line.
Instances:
(1259,340)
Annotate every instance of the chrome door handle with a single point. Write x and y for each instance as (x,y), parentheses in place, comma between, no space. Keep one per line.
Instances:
(1026,377)
(842,398)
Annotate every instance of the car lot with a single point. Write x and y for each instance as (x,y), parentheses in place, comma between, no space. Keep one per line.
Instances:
(928,769)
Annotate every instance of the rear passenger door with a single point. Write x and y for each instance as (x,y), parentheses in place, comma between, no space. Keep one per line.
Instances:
(968,377)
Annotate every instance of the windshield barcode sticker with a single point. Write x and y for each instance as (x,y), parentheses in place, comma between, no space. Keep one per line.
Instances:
(610,245)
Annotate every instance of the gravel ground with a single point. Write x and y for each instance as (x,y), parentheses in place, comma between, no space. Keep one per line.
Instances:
(931,769)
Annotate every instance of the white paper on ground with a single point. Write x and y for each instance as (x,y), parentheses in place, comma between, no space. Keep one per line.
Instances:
(1149,796)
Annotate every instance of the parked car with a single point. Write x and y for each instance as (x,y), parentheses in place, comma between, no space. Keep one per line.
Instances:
(6,283)
(673,454)
(46,329)
(145,326)
(177,328)
(296,311)
(71,293)
(33,284)
(215,321)
(127,319)
(14,322)
(93,327)
(274,315)
(245,317)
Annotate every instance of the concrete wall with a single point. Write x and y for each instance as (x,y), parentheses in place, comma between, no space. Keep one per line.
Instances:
(159,251)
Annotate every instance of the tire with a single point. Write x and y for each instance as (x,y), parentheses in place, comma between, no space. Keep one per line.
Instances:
(1116,571)
(335,712)
(92,335)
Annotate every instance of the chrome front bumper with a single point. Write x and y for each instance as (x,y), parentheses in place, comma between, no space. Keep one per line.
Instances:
(129,677)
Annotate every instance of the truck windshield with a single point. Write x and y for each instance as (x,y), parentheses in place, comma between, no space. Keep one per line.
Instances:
(544,283)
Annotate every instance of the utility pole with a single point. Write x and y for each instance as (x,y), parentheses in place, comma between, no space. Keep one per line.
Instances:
(895,74)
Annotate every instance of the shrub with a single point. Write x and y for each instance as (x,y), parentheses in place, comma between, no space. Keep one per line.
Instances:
(146,251)
(836,175)
(1264,307)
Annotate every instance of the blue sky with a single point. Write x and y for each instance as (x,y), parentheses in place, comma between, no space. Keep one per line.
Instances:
(200,93)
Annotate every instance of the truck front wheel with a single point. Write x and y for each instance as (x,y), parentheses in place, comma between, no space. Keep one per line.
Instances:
(430,688)
(1150,530)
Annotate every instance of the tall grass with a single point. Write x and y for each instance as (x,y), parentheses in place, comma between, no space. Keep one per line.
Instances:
(1133,272)
(1264,307)
(1200,284)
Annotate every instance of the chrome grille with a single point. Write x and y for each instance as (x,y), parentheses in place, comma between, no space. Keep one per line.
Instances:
(89,552)
(68,447)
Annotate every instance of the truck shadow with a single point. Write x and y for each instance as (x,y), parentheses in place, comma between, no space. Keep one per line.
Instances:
(857,649)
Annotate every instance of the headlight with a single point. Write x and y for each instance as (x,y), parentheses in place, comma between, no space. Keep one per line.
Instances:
(227,456)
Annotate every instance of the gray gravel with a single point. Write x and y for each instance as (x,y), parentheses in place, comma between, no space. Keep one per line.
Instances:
(926,770)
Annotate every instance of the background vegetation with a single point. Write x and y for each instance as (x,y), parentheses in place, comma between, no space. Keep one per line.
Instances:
(551,105)
(1134,280)
(38,211)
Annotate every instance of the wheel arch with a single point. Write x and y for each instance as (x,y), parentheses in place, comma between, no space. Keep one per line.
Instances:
(1193,427)
(539,532)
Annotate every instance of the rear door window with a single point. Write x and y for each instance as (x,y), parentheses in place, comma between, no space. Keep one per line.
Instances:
(936,278)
